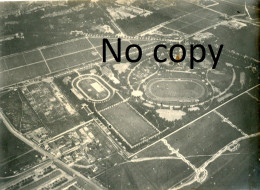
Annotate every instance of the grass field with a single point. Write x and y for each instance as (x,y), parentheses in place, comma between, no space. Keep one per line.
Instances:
(231,37)
(151,174)
(56,64)
(19,163)
(74,59)
(68,47)
(33,56)
(3,66)
(133,127)
(10,146)
(50,52)
(90,54)
(38,69)
(196,20)
(203,138)
(243,112)
(83,44)
(170,90)
(15,61)
(157,150)
(136,25)
(242,164)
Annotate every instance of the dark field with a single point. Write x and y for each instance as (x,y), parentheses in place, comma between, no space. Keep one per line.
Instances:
(133,127)
(139,24)
(243,41)
(234,170)
(3,66)
(203,138)
(10,146)
(243,112)
(153,174)
(19,164)
(23,73)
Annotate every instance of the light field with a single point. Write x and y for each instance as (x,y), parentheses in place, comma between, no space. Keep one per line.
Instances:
(173,90)
(130,125)
(93,89)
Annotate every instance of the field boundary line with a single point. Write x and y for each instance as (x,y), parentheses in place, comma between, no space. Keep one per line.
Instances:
(253,96)
(178,154)
(69,130)
(45,60)
(22,66)
(94,47)
(226,120)
(109,107)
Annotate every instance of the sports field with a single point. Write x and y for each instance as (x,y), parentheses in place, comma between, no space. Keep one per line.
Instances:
(128,123)
(171,90)
(93,89)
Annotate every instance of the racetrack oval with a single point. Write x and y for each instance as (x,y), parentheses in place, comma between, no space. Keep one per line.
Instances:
(172,90)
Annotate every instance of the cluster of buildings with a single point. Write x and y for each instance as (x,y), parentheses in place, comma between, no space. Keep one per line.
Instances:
(38,135)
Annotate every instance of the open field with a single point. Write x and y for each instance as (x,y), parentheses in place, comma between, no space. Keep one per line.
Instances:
(241,164)
(192,142)
(231,37)
(148,174)
(10,146)
(243,112)
(133,128)
(13,166)
(45,60)
(136,25)
(233,8)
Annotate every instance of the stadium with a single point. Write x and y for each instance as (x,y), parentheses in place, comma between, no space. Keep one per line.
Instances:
(93,88)
(175,91)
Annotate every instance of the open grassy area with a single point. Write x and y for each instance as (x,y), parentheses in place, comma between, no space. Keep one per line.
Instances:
(151,174)
(242,164)
(133,127)
(203,138)
(243,112)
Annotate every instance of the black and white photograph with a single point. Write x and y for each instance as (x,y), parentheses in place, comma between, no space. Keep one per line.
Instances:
(129,95)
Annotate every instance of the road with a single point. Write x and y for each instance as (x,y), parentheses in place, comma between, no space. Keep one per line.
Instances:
(62,165)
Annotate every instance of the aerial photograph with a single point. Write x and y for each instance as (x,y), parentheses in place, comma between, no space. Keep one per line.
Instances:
(130,95)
